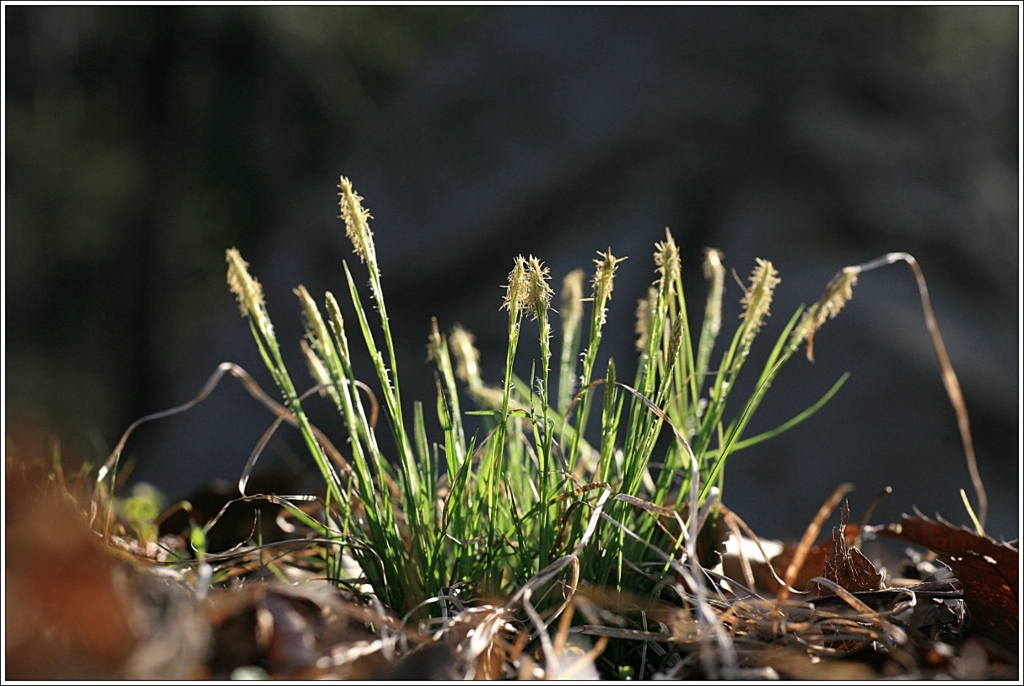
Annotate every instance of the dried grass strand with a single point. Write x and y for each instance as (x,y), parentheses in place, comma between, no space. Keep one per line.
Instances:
(949,378)
(809,537)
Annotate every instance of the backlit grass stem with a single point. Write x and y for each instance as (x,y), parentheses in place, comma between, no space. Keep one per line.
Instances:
(250,301)
(601,287)
(571,312)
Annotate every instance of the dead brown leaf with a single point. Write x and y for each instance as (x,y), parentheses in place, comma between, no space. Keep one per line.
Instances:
(987,570)
(846,565)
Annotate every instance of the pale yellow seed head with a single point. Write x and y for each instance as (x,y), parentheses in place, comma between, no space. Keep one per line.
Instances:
(356,218)
(337,324)
(837,293)
(540,293)
(713,267)
(644,315)
(758,298)
(604,276)
(435,343)
(840,294)
(316,329)
(315,365)
(572,299)
(246,289)
(467,357)
(666,259)
(714,272)
(517,291)
(604,282)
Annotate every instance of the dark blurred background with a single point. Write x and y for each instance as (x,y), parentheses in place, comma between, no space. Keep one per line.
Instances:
(143,142)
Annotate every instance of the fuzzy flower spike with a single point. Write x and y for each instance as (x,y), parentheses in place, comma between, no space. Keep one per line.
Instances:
(248,292)
(540,292)
(666,260)
(758,298)
(517,291)
(356,219)
(837,293)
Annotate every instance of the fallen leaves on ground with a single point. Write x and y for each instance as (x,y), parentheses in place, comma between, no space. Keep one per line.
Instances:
(85,602)
(987,569)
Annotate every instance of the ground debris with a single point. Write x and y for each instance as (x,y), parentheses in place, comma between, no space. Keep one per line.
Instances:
(988,571)
(846,565)
(90,602)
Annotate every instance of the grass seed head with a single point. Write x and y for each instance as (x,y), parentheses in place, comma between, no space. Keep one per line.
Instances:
(467,357)
(356,219)
(714,272)
(604,276)
(337,324)
(644,314)
(758,298)
(435,343)
(572,298)
(316,367)
(836,295)
(666,259)
(713,267)
(540,292)
(316,330)
(246,289)
(517,291)
(604,281)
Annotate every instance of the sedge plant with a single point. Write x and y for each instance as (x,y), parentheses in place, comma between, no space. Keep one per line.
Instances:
(529,498)
(568,482)
(539,502)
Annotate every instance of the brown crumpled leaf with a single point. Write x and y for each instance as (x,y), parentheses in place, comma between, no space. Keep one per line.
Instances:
(987,570)
(846,565)
(813,565)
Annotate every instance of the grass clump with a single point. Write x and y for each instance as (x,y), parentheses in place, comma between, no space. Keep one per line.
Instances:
(530,498)
(537,515)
